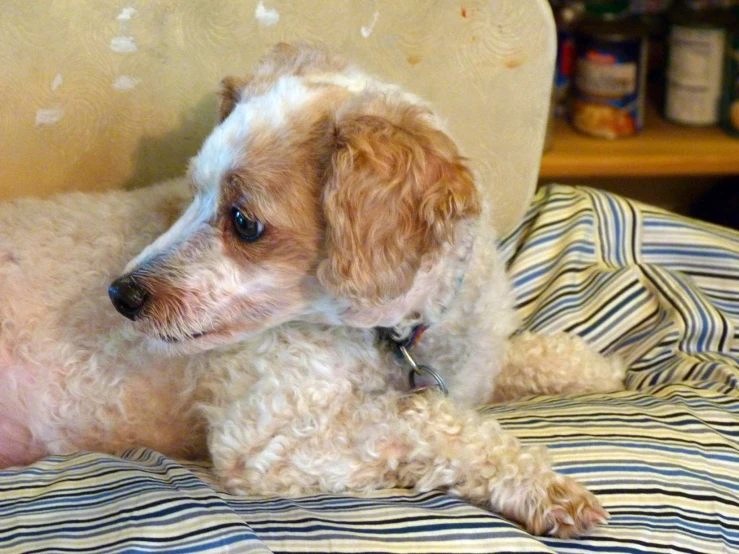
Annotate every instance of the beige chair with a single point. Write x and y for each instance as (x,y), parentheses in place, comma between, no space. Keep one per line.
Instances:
(96,96)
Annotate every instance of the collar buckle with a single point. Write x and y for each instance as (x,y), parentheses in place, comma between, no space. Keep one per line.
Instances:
(422,371)
(420,376)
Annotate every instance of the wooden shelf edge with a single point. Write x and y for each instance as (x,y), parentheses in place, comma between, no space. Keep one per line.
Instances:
(646,166)
(662,150)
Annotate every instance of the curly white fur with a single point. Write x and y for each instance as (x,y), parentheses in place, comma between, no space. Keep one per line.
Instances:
(302,401)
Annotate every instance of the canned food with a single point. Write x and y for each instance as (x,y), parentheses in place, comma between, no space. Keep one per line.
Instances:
(695,65)
(610,76)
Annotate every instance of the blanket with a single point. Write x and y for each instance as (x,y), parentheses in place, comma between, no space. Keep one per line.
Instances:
(660,290)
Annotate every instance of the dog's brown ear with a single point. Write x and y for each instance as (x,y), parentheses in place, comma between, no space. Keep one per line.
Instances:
(231,91)
(396,187)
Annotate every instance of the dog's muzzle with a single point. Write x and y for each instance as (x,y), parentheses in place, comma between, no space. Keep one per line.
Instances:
(128,296)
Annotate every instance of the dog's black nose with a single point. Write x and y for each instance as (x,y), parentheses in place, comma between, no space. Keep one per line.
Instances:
(127,296)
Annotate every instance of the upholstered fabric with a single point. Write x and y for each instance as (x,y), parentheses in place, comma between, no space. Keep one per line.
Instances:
(663,456)
(101,94)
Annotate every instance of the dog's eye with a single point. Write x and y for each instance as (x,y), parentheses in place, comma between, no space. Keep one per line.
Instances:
(247,229)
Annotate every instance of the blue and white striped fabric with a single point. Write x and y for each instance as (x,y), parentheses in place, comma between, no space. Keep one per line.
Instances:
(660,290)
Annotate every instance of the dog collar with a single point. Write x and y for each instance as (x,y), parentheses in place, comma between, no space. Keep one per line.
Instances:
(420,376)
(423,376)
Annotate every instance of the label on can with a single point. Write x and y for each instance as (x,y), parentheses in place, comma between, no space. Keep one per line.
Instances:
(694,75)
(609,87)
(730,104)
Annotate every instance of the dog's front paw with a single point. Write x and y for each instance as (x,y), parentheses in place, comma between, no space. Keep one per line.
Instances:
(565,510)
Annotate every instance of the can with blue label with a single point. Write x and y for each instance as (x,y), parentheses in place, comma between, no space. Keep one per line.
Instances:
(610,75)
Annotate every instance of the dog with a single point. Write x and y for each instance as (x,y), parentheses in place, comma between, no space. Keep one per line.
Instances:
(273,302)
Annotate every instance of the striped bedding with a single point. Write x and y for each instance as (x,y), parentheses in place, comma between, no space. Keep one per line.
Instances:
(660,290)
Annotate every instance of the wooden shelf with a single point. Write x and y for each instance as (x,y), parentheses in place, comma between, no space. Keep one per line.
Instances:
(663,149)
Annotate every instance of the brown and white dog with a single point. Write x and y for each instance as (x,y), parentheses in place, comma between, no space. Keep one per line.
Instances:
(324,205)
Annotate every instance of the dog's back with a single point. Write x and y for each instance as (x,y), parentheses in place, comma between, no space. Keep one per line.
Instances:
(68,366)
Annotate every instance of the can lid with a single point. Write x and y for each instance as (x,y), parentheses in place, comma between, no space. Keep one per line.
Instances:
(607,7)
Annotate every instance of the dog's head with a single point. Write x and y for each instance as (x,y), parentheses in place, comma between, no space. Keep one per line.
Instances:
(317,197)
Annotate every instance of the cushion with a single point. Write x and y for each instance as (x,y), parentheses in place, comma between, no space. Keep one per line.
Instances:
(658,289)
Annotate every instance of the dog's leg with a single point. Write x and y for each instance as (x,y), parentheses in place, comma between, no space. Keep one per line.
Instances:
(557,364)
(367,442)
